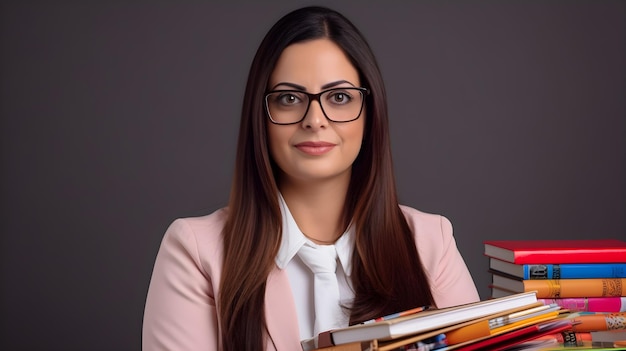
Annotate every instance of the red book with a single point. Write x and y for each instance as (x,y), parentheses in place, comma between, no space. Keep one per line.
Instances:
(557,251)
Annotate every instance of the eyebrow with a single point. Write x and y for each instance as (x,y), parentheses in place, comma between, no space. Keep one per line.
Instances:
(300,87)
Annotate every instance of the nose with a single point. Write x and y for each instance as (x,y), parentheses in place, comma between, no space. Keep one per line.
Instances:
(315,118)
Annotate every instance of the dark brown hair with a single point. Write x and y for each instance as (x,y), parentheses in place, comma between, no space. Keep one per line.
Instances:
(387,274)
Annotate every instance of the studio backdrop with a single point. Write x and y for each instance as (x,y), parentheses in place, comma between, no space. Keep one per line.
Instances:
(507,117)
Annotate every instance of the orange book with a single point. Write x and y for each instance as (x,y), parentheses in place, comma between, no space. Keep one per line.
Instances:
(355,346)
(563,288)
(501,323)
(578,287)
(588,322)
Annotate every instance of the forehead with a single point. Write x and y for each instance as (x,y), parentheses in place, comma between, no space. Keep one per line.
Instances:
(312,64)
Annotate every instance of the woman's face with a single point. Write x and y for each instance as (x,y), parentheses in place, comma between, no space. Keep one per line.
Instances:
(315,148)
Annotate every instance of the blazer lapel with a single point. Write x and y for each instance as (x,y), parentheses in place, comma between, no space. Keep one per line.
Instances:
(280,312)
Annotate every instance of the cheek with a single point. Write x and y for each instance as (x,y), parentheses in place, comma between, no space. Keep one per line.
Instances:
(354,136)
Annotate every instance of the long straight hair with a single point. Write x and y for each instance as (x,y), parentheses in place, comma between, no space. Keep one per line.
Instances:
(387,274)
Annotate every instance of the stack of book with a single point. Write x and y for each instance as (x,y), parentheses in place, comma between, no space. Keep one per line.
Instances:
(519,315)
(491,324)
(585,277)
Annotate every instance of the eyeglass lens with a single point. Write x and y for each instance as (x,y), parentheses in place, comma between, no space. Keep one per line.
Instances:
(291,106)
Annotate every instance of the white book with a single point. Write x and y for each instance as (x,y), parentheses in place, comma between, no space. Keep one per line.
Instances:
(422,321)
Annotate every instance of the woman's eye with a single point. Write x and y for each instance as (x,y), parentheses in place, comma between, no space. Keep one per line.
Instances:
(288,99)
(340,98)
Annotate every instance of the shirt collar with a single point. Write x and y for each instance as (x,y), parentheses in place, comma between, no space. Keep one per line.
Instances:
(293,239)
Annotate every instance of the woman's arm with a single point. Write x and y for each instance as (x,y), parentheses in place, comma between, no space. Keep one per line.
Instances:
(452,283)
(180,309)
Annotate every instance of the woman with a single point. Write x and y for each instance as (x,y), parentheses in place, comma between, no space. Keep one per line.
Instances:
(313,173)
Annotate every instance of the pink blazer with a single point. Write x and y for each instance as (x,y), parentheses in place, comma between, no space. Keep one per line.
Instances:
(180,312)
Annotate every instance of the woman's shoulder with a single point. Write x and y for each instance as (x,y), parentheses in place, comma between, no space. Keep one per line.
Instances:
(421,218)
(206,224)
(203,232)
(427,226)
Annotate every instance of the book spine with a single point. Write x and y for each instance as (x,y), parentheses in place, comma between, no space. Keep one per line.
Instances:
(569,338)
(550,256)
(565,288)
(574,271)
(588,322)
(589,304)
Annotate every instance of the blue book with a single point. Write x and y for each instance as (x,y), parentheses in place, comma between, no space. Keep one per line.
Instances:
(560,271)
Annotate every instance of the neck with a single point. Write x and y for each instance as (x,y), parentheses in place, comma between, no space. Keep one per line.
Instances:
(323,242)
(317,208)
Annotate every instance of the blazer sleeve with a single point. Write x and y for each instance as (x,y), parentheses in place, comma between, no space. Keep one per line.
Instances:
(450,281)
(180,312)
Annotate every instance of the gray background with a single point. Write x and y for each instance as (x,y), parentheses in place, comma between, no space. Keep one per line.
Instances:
(508,117)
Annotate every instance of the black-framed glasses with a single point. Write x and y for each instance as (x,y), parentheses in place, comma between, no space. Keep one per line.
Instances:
(338,104)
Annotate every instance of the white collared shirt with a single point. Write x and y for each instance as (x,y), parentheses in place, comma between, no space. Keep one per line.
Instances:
(301,277)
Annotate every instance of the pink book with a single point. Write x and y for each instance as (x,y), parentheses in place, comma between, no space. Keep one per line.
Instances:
(590,304)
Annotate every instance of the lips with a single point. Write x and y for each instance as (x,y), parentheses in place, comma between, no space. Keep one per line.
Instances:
(315,148)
